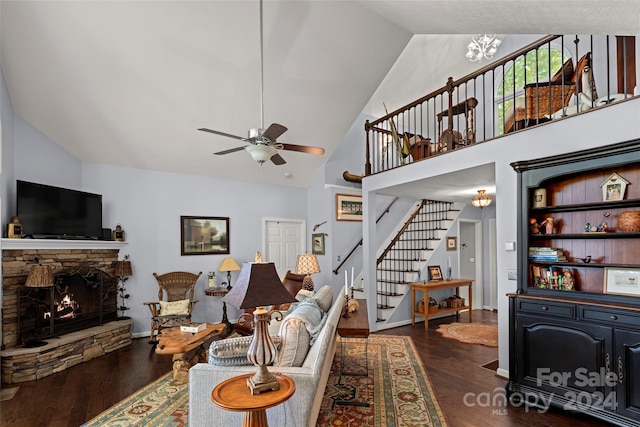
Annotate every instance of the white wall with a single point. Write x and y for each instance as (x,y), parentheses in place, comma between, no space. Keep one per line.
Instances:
(617,123)
(148,205)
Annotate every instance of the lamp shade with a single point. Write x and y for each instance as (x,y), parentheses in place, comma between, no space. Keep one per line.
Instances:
(123,268)
(482,200)
(228,264)
(307,264)
(40,276)
(258,285)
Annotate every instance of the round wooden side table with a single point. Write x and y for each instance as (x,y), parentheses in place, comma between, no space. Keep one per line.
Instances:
(234,395)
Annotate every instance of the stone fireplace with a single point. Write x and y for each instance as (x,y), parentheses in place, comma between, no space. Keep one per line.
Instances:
(76,317)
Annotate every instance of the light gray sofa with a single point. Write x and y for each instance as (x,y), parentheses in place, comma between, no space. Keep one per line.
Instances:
(310,379)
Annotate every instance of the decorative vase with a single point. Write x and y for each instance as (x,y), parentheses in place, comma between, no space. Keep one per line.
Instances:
(629,221)
(540,198)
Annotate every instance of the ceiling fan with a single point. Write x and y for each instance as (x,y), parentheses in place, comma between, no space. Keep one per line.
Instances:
(262,142)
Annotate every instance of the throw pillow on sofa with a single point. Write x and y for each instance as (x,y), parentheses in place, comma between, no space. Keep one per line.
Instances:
(233,351)
(324,298)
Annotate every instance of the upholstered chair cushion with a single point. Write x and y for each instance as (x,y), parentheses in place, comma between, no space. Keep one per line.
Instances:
(174,308)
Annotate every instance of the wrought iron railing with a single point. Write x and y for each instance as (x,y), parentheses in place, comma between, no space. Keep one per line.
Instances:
(554,77)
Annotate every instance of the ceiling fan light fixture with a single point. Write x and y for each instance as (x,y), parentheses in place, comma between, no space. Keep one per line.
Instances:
(482,200)
(260,152)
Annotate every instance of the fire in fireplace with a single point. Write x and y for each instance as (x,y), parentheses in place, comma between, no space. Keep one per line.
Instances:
(79,299)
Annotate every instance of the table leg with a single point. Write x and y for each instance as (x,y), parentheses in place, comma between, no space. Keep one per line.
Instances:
(426,309)
(470,302)
(255,419)
(413,306)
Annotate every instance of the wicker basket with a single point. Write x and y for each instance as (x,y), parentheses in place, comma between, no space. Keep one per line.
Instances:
(455,302)
(544,99)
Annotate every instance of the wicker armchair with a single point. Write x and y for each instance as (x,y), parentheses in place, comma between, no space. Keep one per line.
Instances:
(177,286)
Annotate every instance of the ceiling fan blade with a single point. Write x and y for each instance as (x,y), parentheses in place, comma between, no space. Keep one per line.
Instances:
(303,149)
(277,160)
(223,134)
(274,131)
(231,150)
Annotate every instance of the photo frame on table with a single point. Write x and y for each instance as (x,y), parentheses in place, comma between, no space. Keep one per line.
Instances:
(204,235)
(317,243)
(435,274)
(452,243)
(622,281)
(348,207)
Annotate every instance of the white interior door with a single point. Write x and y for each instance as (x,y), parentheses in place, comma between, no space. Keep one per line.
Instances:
(284,240)
(470,242)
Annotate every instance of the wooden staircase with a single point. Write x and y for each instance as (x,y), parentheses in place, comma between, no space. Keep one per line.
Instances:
(401,261)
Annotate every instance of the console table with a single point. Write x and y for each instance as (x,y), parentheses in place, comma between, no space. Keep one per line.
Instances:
(425,287)
(221,292)
(355,326)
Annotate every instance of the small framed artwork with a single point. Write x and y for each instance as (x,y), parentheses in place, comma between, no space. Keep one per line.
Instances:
(623,281)
(204,235)
(613,188)
(317,243)
(452,243)
(348,207)
(435,274)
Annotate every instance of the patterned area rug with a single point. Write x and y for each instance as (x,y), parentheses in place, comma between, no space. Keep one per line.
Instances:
(471,333)
(159,404)
(396,388)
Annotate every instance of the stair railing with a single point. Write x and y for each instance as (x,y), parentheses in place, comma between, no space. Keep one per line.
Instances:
(386,211)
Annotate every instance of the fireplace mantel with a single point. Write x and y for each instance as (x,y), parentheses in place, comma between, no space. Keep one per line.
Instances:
(59,244)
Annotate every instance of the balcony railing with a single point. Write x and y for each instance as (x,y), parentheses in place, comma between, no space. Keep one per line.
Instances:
(554,77)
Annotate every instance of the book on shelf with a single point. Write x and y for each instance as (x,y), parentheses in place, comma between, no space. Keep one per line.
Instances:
(193,327)
(546,254)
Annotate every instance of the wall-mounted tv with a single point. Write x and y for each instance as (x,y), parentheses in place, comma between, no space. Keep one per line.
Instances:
(53,212)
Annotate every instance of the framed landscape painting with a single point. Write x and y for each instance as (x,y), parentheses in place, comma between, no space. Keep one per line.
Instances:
(204,235)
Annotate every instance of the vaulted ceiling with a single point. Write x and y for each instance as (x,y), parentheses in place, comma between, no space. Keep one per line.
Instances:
(129,82)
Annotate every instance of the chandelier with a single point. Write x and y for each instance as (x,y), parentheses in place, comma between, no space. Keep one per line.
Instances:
(482,46)
(482,200)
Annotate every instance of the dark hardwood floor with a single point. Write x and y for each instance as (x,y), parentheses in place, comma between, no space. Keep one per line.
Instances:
(71,397)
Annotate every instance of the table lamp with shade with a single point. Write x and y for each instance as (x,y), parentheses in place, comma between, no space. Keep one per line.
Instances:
(307,264)
(229,265)
(258,285)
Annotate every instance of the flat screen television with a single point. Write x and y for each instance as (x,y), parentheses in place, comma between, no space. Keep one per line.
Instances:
(53,212)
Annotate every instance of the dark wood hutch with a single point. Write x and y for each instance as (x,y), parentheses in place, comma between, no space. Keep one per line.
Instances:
(575,318)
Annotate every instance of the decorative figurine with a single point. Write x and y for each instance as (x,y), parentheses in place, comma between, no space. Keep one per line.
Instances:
(548,225)
(568,283)
(587,227)
(534,227)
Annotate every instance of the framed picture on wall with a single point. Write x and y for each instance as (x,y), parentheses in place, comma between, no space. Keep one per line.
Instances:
(348,207)
(452,243)
(204,235)
(317,243)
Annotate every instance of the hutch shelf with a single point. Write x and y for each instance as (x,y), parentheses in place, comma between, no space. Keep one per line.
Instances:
(575,318)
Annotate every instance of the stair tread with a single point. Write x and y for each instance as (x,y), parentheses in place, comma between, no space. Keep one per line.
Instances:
(390,294)
(385,307)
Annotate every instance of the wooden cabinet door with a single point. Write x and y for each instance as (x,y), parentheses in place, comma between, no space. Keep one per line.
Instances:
(561,356)
(627,368)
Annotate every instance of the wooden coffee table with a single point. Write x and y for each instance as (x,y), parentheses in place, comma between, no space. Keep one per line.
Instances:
(187,348)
